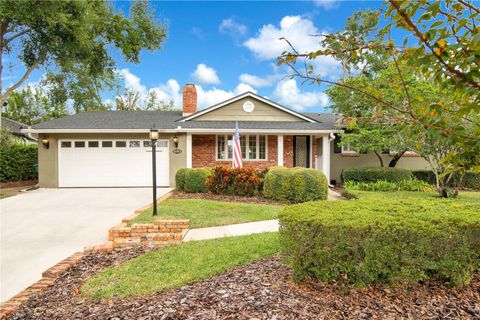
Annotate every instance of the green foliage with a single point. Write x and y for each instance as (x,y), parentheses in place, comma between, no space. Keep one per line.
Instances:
(17,162)
(177,266)
(404,185)
(6,138)
(33,105)
(73,40)
(470,180)
(295,184)
(208,213)
(367,174)
(180,179)
(195,179)
(382,240)
(235,181)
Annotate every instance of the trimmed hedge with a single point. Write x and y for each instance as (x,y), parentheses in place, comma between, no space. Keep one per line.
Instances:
(470,180)
(180,179)
(235,181)
(367,174)
(195,180)
(295,185)
(382,240)
(405,185)
(17,162)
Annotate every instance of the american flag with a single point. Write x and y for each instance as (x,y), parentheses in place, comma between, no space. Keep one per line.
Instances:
(237,149)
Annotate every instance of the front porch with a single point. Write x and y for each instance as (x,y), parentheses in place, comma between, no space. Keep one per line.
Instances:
(261,150)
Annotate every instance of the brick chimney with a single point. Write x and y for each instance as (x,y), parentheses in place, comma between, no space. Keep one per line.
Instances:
(189,99)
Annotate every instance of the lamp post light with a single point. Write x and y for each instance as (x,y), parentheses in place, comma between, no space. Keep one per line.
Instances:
(154,138)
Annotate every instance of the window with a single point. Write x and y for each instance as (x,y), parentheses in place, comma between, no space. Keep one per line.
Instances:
(348,148)
(121,144)
(134,144)
(254,147)
(107,144)
(162,144)
(79,144)
(93,144)
(66,144)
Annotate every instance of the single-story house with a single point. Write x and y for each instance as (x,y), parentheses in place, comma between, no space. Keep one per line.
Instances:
(15,128)
(112,148)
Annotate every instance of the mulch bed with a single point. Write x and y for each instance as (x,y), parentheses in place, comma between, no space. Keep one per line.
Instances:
(16,184)
(219,197)
(261,290)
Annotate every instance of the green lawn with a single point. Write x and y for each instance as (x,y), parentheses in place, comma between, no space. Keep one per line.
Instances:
(206,213)
(463,195)
(176,266)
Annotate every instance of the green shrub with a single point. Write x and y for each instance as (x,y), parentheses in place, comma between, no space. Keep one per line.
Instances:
(195,179)
(17,162)
(470,180)
(295,184)
(382,240)
(235,181)
(364,174)
(180,179)
(404,185)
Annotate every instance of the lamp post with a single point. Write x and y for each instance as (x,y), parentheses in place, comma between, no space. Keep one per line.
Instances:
(154,138)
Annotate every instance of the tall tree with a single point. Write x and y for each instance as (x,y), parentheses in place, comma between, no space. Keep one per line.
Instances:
(73,38)
(34,105)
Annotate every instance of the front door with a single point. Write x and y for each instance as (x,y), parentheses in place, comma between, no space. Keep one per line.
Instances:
(301,151)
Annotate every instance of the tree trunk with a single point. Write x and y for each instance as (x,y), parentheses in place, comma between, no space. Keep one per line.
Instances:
(395,159)
(379,158)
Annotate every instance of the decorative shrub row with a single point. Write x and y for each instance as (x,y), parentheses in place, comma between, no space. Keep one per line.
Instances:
(366,174)
(404,185)
(231,181)
(295,184)
(192,180)
(17,162)
(382,241)
(470,180)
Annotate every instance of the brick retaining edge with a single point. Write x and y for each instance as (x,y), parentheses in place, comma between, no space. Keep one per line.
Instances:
(158,233)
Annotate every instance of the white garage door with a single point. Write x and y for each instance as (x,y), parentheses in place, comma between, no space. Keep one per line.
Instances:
(111,163)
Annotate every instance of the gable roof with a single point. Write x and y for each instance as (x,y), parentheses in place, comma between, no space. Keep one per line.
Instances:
(15,128)
(244,95)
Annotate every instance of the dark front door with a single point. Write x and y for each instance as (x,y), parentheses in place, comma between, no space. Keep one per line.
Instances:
(301,151)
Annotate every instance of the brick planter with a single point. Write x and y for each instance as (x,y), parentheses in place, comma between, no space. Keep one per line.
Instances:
(158,233)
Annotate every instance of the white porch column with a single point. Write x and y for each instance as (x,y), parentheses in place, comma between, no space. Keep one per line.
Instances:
(188,151)
(280,149)
(326,156)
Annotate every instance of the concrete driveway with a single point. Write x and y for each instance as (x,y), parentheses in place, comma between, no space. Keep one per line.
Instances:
(42,227)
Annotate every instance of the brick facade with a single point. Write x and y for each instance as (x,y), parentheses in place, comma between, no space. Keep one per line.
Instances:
(203,153)
(288,151)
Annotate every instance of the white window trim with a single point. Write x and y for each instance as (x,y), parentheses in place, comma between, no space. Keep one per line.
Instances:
(246,144)
(348,149)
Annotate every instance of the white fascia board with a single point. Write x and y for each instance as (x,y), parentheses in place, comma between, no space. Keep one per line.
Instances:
(275,131)
(95,130)
(243,95)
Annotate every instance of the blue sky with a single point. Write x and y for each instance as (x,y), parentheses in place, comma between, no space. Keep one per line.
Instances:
(226,48)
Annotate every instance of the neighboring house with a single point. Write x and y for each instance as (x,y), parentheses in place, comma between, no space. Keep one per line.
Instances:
(112,148)
(15,129)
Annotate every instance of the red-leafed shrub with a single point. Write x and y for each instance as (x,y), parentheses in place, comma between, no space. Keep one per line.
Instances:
(230,181)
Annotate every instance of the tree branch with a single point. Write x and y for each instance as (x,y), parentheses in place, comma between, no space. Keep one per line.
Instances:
(10,90)
(21,33)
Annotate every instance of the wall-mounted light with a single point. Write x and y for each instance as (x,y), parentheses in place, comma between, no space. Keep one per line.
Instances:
(175,142)
(175,145)
(46,143)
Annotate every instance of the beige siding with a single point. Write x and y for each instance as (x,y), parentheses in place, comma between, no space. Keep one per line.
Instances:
(48,158)
(338,161)
(262,112)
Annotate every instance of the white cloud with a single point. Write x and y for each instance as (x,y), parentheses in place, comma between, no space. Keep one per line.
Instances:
(205,75)
(132,81)
(232,28)
(301,33)
(326,4)
(207,98)
(289,94)
(259,82)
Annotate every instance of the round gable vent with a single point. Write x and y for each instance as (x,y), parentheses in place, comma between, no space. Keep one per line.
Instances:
(248,106)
